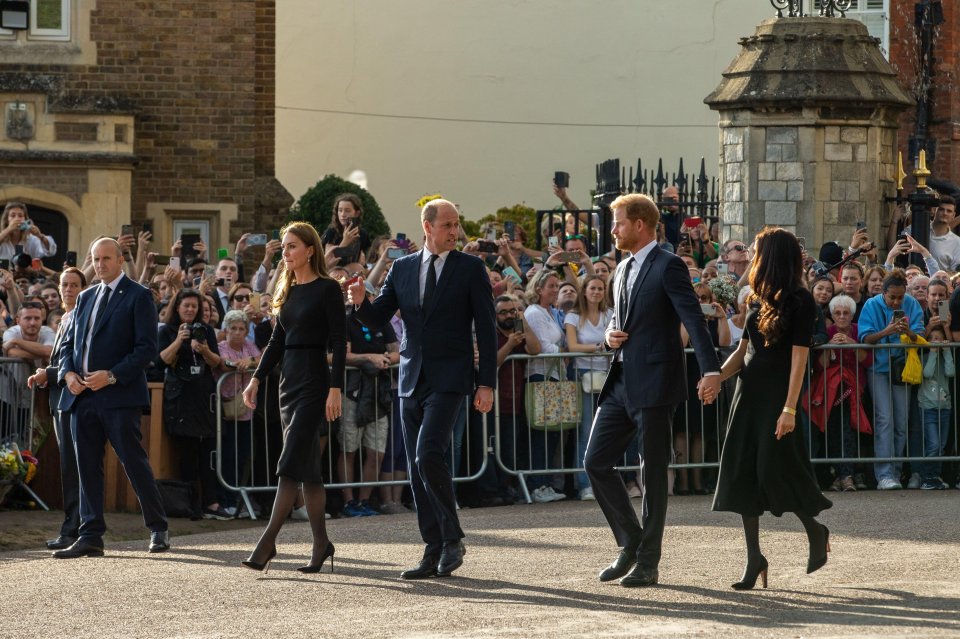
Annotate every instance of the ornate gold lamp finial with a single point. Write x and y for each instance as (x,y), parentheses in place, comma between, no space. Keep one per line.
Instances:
(900,172)
(922,172)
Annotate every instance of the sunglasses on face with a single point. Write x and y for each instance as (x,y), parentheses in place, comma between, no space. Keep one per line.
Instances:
(241,298)
(738,247)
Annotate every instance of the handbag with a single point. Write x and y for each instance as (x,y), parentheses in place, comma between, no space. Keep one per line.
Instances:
(593,381)
(552,404)
(178,498)
(234,407)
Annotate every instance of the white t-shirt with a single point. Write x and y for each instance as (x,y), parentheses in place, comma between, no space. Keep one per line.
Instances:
(590,334)
(945,249)
(47,335)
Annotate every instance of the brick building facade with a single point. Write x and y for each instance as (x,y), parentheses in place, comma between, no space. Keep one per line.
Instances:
(144,111)
(905,57)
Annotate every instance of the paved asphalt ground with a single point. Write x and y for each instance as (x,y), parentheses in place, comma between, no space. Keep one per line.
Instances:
(530,571)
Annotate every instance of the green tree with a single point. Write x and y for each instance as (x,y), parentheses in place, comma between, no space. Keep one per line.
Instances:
(521,214)
(316,206)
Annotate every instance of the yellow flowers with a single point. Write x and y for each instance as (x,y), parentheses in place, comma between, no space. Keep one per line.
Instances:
(15,464)
(422,202)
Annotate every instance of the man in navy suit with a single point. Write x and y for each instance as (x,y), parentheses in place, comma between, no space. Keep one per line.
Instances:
(652,295)
(102,361)
(441,294)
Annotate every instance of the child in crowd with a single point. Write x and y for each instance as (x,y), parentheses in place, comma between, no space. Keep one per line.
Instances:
(934,399)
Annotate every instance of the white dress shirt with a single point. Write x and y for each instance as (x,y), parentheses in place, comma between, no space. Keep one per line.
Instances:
(93,315)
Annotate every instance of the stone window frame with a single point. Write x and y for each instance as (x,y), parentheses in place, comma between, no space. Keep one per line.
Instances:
(69,46)
(219,215)
(37,34)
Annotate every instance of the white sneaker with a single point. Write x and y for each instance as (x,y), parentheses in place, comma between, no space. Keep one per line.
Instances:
(914,482)
(889,484)
(300,514)
(541,496)
(546,494)
(586,494)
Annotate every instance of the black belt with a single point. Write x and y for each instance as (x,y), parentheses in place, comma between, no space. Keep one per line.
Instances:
(305,347)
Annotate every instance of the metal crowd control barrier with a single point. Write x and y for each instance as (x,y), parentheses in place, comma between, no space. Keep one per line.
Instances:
(17,410)
(914,423)
(262,437)
(526,452)
(900,419)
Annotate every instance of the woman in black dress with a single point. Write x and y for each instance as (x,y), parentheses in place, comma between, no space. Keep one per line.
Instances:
(311,321)
(764,465)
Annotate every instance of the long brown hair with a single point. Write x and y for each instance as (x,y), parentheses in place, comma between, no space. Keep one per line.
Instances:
(309,236)
(776,273)
(582,307)
(335,219)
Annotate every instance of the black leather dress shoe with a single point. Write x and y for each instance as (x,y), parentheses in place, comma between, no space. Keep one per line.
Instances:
(427,568)
(159,541)
(451,558)
(620,566)
(640,577)
(80,548)
(60,542)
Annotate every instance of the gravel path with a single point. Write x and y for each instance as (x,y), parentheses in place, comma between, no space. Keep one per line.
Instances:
(530,571)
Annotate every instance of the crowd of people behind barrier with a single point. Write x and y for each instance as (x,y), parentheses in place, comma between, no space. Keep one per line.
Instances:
(213,319)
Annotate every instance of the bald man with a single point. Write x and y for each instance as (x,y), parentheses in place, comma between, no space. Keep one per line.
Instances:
(102,361)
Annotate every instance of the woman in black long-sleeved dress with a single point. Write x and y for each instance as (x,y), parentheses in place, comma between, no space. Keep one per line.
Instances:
(764,465)
(311,321)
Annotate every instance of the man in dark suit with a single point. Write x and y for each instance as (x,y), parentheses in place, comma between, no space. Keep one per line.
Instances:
(69,480)
(102,362)
(441,294)
(652,295)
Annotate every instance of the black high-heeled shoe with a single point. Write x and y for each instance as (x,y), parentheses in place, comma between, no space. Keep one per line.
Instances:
(264,567)
(749,579)
(316,567)
(817,560)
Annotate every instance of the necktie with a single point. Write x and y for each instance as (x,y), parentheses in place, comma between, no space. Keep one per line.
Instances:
(624,292)
(431,284)
(101,310)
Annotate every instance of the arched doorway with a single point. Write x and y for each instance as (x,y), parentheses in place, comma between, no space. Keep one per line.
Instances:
(53,223)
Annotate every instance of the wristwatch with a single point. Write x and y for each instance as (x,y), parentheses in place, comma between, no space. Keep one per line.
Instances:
(110,378)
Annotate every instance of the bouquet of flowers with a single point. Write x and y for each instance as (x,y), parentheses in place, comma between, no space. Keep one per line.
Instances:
(725,290)
(16,464)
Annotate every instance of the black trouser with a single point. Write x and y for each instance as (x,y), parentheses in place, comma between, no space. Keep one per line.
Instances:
(428,418)
(195,465)
(92,426)
(614,426)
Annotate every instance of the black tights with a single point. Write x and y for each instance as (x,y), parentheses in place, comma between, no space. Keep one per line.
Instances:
(315,498)
(751,534)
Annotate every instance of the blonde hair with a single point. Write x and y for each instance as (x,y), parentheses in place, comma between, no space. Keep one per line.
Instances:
(536,284)
(285,279)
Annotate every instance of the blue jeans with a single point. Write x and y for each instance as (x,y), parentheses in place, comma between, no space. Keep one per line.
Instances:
(936,430)
(891,407)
